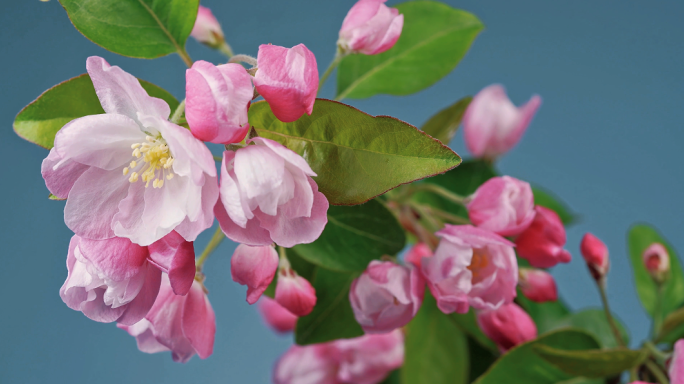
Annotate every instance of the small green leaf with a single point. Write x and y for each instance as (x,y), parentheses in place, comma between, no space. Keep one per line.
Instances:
(433,41)
(468,324)
(354,236)
(444,124)
(40,121)
(356,156)
(592,363)
(436,349)
(640,237)
(593,321)
(332,318)
(673,327)
(522,365)
(53,197)
(137,28)
(548,200)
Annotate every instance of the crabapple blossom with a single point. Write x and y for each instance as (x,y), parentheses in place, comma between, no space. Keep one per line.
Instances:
(278,318)
(507,326)
(537,285)
(254,267)
(294,292)
(268,195)
(657,261)
(595,254)
(503,205)
(130,172)
(492,125)
(542,242)
(370,28)
(207,29)
(471,267)
(310,364)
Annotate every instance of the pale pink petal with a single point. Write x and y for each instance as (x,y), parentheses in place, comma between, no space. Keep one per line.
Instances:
(311,364)
(175,256)
(199,321)
(60,174)
(118,258)
(252,234)
(140,306)
(191,157)
(143,336)
(207,29)
(278,318)
(262,177)
(289,155)
(254,267)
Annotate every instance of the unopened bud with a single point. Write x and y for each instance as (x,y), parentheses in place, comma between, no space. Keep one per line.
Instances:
(537,285)
(657,262)
(595,253)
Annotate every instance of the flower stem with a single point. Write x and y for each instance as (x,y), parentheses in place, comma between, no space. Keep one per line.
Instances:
(213,243)
(178,113)
(226,50)
(609,316)
(658,312)
(445,193)
(243,59)
(336,61)
(186,58)
(448,216)
(657,372)
(657,353)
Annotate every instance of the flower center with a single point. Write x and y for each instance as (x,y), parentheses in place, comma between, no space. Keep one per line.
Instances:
(479,262)
(152,162)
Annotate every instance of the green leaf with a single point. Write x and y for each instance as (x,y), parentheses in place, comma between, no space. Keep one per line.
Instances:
(545,315)
(39,121)
(593,321)
(356,156)
(548,200)
(522,365)
(393,378)
(436,349)
(468,324)
(673,327)
(593,363)
(481,359)
(444,124)
(433,41)
(332,318)
(354,236)
(53,197)
(640,237)
(137,28)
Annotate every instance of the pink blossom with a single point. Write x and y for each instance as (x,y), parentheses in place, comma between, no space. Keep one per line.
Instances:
(130,172)
(595,254)
(110,280)
(254,267)
(294,292)
(542,242)
(676,370)
(185,325)
(217,98)
(503,205)
(370,358)
(370,27)
(175,256)
(471,267)
(268,195)
(207,29)
(417,252)
(657,261)
(507,326)
(492,125)
(311,364)
(538,285)
(277,317)
(287,78)
(386,296)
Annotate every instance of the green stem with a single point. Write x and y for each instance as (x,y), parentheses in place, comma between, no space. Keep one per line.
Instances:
(186,58)
(249,60)
(178,113)
(218,158)
(609,316)
(434,188)
(657,372)
(213,243)
(226,50)
(448,216)
(336,61)
(657,353)
(433,225)
(658,312)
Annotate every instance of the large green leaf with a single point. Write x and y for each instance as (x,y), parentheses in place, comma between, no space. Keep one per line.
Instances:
(522,365)
(354,236)
(444,124)
(434,39)
(481,359)
(548,200)
(640,237)
(135,28)
(593,321)
(332,318)
(39,121)
(592,363)
(436,349)
(356,156)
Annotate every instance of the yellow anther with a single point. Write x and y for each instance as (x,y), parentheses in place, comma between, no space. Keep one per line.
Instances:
(169,176)
(134,177)
(156,157)
(134,146)
(136,153)
(125,171)
(150,139)
(133,164)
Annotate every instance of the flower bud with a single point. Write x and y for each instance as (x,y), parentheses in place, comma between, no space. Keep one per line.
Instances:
(207,29)
(309,364)
(417,252)
(492,125)
(370,28)
(294,292)
(537,285)
(542,242)
(217,98)
(277,317)
(287,78)
(507,326)
(595,254)
(254,267)
(503,205)
(370,358)
(657,262)
(386,296)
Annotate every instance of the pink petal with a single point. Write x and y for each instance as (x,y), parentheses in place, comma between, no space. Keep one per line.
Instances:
(289,155)
(138,308)
(60,174)
(295,293)
(252,234)
(199,321)
(143,336)
(175,256)
(254,267)
(207,29)
(118,258)
(277,317)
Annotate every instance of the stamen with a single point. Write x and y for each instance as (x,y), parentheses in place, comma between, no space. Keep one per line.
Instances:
(134,177)
(125,171)
(134,146)
(133,164)
(156,160)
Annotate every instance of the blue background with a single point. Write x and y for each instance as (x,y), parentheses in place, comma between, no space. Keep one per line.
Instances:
(607,138)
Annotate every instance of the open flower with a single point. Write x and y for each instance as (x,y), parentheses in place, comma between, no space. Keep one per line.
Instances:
(268,195)
(130,172)
(370,27)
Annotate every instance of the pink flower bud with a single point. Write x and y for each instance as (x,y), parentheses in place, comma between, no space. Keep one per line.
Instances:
(185,325)
(538,285)
(542,242)
(417,252)
(657,262)
(370,358)
(294,292)
(217,98)
(370,27)
(310,364)
(676,370)
(287,79)
(492,125)
(207,29)
(254,267)
(503,205)
(386,296)
(507,326)
(595,254)
(471,267)
(277,317)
